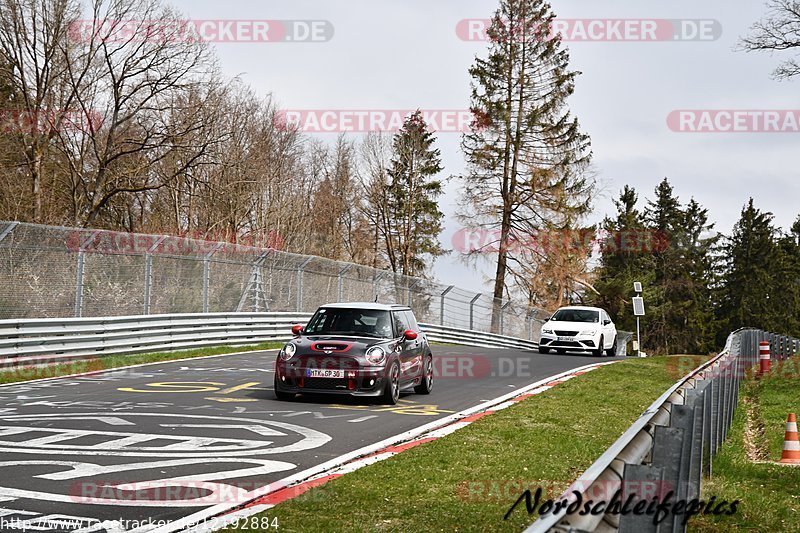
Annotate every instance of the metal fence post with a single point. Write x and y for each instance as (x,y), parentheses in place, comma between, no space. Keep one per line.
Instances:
(7,230)
(441,304)
(503,317)
(472,310)
(207,274)
(148,281)
(300,271)
(79,286)
(340,282)
(148,273)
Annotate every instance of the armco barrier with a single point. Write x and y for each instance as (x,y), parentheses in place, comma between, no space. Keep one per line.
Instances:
(43,340)
(672,444)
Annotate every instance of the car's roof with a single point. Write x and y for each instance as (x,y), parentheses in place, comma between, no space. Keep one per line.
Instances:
(367,305)
(581,307)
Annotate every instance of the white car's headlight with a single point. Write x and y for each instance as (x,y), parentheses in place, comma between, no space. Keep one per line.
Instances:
(588,332)
(376,355)
(547,331)
(288,351)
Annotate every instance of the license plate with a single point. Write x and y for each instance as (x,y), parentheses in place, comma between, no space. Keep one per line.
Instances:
(319,373)
(566,339)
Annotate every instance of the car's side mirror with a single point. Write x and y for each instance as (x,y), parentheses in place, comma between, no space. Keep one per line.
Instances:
(606,322)
(297,330)
(410,335)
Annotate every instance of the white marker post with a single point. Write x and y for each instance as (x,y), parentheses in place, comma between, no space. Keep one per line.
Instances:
(638,310)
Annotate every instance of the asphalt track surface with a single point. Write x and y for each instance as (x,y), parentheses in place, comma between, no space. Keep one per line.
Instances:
(114,451)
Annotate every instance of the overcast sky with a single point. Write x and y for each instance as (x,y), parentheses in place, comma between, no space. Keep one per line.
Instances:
(406,54)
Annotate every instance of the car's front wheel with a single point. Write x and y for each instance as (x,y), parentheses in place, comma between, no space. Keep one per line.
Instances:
(599,351)
(426,386)
(279,394)
(391,391)
(544,350)
(612,352)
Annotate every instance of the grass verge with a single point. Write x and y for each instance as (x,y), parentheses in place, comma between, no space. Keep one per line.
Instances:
(769,493)
(28,373)
(467,480)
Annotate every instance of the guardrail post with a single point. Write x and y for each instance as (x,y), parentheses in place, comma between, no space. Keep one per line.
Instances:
(441,304)
(472,311)
(644,477)
(300,270)
(79,285)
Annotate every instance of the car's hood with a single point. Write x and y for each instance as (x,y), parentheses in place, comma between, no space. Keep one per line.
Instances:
(571,326)
(356,345)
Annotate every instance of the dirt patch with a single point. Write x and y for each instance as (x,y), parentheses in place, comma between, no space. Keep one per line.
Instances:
(756,445)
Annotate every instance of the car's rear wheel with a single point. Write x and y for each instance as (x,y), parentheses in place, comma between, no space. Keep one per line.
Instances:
(599,351)
(279,394)
(391,391)
(612,352)
(544,350)
(426,386)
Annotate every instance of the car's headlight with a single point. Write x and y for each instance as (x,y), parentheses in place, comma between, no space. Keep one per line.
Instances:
(376,355)
(288,351)
(588,332)
(547,331)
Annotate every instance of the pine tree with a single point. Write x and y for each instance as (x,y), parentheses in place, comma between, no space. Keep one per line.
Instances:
(749,293)
(413,221)
(525,152)
(622,263)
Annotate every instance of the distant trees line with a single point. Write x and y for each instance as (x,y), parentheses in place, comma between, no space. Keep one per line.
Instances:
(124,128)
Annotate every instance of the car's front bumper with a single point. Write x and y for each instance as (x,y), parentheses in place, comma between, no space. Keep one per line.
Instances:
(579,342)
(361,382)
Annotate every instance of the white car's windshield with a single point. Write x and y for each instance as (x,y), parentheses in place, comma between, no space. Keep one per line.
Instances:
(576,315)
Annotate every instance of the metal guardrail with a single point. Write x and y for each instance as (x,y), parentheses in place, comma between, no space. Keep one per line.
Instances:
(672,444)
(54,339)
(45,340)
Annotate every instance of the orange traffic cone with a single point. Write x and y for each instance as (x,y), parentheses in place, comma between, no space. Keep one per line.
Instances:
(791,443)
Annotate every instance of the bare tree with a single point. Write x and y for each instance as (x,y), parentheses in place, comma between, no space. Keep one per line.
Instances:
(33,34)
(139,77)
(779,31)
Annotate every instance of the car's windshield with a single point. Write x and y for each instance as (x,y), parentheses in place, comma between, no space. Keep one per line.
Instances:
(363,322)
(576,315)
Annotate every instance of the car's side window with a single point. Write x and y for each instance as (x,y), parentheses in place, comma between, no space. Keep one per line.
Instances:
(411,321)
(400,323)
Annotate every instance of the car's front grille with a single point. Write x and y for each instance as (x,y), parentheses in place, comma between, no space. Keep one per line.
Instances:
(568,344)
(566,333)
(324,383)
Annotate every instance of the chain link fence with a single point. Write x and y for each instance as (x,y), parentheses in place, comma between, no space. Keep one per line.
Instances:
(57,272)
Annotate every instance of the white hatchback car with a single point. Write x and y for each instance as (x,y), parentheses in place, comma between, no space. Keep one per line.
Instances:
(579,329)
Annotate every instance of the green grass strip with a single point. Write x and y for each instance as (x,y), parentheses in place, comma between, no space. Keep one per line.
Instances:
(467,480)
(28,373)
(769,493)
